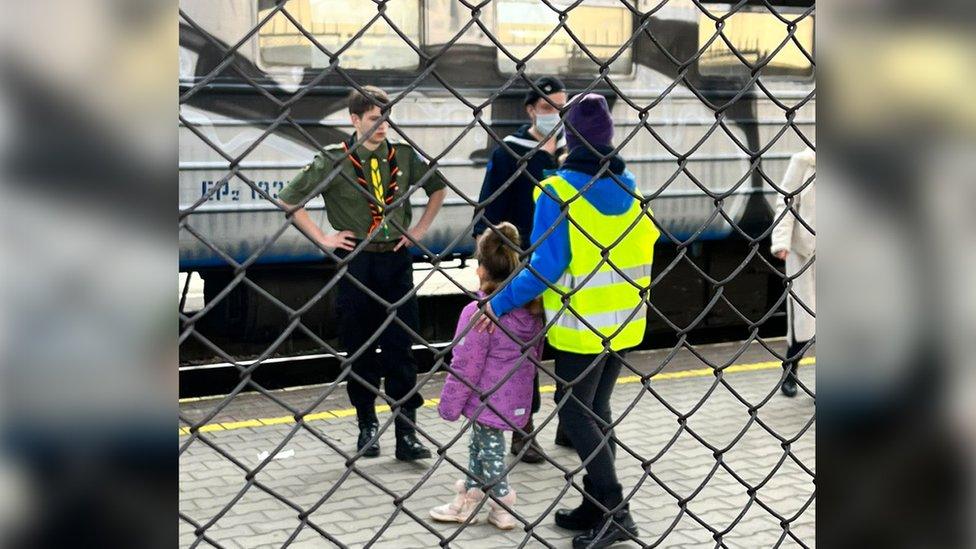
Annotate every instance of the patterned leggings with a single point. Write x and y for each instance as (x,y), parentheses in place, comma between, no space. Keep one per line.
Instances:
(486,459)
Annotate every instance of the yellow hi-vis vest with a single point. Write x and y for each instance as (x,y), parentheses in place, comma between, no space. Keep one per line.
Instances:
(601,303)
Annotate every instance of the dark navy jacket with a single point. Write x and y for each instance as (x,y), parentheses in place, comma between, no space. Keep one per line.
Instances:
(515,203)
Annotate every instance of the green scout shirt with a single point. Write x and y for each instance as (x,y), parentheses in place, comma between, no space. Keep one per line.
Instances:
(345,203)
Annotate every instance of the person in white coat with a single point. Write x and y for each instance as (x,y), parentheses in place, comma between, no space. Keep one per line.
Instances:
(794,241)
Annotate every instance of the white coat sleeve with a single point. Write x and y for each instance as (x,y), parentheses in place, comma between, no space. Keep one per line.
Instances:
(792,180)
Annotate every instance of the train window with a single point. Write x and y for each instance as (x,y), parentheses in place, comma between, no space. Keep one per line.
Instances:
(756,34)
(603,26)
(445,18)
(333,23)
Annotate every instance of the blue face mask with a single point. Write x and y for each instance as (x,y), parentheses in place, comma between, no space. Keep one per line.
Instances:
(546,122)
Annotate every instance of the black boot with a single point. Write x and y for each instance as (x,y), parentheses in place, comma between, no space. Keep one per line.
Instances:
(534,453)
(789,384)
(561,438)
(367,431)
(584,517)
(408,448)
(608,533)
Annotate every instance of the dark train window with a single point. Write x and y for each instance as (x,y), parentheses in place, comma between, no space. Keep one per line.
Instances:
(334,23)
(603,26)
(756,34)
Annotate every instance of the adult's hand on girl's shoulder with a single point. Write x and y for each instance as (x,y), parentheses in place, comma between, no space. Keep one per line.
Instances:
(487,320)
(535,307)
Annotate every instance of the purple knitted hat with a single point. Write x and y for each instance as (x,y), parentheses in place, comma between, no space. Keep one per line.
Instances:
(590,116)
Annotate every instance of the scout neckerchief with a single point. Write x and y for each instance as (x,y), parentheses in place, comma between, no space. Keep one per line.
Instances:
(376,188)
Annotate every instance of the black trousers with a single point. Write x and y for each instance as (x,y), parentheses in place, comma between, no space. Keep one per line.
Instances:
(793,355)
(536,395)
(592,391)
(390,276)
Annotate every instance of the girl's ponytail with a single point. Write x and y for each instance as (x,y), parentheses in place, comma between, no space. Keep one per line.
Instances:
(498,253)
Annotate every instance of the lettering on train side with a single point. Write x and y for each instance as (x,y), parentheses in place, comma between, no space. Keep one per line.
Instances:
(233,193)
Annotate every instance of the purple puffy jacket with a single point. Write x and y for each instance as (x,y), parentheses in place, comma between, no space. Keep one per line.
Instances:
(483,359)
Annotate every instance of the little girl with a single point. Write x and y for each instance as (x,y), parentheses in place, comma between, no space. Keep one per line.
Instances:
(483,360)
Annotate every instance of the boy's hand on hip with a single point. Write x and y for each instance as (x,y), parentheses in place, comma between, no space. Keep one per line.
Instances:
(342,240)
(416,233)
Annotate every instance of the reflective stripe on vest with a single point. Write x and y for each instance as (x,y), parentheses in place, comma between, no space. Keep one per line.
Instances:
(567,319)
(598,298)
(605,278)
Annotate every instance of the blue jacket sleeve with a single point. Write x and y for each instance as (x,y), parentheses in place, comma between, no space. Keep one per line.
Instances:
(550,259)
(500,167)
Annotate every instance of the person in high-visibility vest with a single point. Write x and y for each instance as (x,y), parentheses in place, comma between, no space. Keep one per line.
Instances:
(593,241)
(513,183)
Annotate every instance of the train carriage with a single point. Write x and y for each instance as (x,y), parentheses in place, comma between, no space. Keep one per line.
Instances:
(664,56)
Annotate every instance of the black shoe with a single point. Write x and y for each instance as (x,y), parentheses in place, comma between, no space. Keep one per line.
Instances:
(533,454)
(585,517)
(562,439)
(789,384)
(408,448)
(612,533)
(367,430)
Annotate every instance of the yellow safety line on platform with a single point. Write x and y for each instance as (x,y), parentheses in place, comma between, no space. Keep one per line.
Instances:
(430,402)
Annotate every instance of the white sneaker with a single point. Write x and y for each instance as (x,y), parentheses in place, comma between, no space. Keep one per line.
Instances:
(463,506)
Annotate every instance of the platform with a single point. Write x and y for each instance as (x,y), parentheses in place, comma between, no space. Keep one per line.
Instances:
(306,469)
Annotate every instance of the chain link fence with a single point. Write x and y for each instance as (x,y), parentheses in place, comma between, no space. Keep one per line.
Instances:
(733,77)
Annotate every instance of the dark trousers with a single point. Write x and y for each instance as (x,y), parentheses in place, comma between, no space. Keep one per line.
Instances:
(536,395)
(793,355)
(390,276)
(593,390)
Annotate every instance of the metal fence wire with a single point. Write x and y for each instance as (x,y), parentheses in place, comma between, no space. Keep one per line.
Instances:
(402,500)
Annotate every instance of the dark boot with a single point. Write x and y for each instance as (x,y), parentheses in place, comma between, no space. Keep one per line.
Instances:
(789,384)
(561,438)
(608,533)
(584,517)
(367,431)
(408,448)
(534,453)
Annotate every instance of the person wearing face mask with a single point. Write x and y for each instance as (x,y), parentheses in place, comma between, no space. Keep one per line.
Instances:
(515,204)
(593,250)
